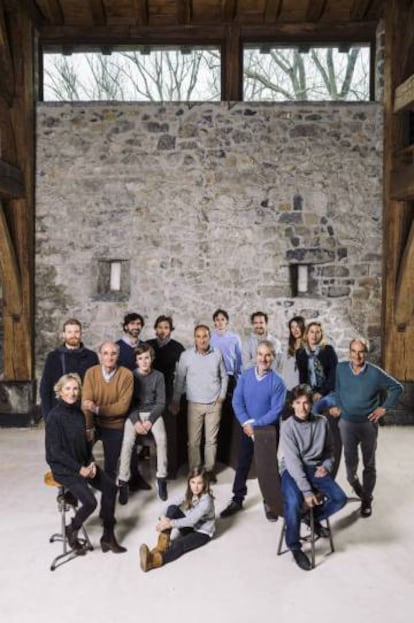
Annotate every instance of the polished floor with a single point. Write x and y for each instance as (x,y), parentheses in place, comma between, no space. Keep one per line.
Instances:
(237,578)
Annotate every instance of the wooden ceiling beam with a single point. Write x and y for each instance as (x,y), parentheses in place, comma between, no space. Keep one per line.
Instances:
(229,10)
(98,12)
(11,181)
(317,32)
(9,269)
(184,11)
(54,12)
(360,9)
(404,305)
(141,11)
(33,11)
(404,95)
(6,63)
(315,10)
(272,11)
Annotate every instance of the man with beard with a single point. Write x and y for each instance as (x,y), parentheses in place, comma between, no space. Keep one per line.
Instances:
(132,325)
(71,356)
(259,320)
(167,352)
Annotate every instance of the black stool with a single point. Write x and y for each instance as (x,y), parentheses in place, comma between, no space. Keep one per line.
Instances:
(65,504)
(311,537)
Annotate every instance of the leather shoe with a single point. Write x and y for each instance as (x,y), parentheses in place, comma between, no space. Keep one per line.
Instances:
(212,478)
(301,559)
(123,492)
(74,544)
(233,508)
(322,531)
(109,542)
(162,489)
(366,508)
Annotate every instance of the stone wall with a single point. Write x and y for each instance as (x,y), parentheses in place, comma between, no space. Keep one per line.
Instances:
(205,206)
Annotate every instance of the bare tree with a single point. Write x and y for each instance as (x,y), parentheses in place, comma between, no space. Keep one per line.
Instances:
(171,75)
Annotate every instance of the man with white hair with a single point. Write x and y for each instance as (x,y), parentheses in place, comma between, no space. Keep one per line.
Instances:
(363,393)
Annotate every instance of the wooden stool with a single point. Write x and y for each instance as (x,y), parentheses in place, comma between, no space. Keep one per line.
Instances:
(64,505)
(311,538)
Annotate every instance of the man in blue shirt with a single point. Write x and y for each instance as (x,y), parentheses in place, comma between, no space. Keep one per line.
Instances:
(258,400)
(363,393)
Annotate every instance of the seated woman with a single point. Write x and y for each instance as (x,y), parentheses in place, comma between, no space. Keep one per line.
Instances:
(69,456)
(149,403)
(317,363)
(193,516)
(308,458)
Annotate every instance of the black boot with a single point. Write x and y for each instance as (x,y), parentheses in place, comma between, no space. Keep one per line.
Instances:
(109,542)
(162,489)
(72,537)
(137,482)
(123,492)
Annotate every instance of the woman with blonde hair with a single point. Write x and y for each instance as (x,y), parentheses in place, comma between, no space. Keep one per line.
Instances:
(70,458)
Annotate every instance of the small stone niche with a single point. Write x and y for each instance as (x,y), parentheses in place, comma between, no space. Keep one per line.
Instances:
(114,283)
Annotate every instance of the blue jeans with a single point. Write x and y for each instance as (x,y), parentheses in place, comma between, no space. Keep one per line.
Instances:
(293,499)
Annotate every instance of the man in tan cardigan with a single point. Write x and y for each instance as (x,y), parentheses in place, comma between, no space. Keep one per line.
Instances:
(106,397)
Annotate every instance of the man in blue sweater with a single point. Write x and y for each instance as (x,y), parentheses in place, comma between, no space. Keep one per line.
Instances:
(363,392)
(258,400)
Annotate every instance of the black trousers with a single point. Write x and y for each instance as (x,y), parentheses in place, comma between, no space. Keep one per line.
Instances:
(189,539)
(80,488)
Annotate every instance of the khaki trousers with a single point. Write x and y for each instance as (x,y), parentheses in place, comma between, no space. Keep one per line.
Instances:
(198,415)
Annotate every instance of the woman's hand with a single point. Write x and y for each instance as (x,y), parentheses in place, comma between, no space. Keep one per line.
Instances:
(164,523)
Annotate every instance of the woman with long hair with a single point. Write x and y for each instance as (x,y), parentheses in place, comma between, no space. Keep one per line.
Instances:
(193,516)
(290,371)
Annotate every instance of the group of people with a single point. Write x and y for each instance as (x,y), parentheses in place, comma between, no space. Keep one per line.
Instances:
(122,394)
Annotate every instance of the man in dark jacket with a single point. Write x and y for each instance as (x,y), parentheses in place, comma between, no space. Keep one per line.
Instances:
(71,356)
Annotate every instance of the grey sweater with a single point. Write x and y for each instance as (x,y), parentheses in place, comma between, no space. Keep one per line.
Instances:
(149,395)
(202,376)
(200,516)
(305,443)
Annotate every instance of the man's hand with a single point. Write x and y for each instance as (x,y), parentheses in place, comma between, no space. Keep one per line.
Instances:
(320,471)
(311,500)
(335,411)
(219,401)
(84,471)
(316,396)
(140,428)
(89,405)
(248,430)
(377,414)
(174,407)
(90,435)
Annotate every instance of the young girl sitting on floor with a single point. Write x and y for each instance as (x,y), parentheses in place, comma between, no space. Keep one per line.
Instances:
(193,516)
(149,398)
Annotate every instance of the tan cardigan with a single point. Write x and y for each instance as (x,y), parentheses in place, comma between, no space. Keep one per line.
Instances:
(113,398)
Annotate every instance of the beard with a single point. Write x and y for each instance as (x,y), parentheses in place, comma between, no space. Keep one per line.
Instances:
(73,342)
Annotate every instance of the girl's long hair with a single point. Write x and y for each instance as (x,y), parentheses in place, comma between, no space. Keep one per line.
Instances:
(197,471)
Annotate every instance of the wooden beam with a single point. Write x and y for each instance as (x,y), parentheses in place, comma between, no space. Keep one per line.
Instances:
(98,12)
(402,183)
(9,269)
(6,63)
(272,11)
(317,32)
(141,11)
(404,95)
(33,12)
(54,12)
(404,307)
(229,10)
(184,11)
(315,10)
(11,181)
(359,9)
(232,65)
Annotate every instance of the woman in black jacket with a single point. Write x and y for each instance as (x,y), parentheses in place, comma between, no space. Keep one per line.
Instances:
(317,363)
(70,458)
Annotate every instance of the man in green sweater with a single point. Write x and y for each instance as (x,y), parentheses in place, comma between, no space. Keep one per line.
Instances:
(363,393)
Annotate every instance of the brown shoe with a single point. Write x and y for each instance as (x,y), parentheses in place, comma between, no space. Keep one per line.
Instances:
(149,560)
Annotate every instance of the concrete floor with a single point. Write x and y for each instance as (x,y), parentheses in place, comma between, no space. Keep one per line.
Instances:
(237,578)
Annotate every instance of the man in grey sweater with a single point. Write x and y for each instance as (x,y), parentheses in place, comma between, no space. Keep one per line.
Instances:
(202,376)
(308,459)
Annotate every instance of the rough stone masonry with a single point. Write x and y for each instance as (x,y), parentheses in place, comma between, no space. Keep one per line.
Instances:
(206,206)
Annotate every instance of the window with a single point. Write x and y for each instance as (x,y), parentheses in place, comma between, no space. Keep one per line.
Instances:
(142,74)
(303,73)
